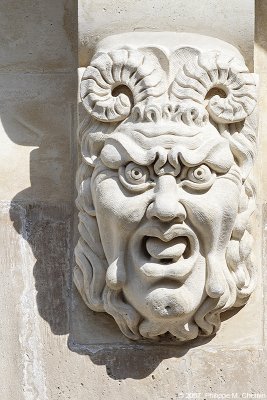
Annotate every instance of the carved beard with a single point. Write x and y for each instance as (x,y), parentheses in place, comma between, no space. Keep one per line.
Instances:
(135,326)
(187,325)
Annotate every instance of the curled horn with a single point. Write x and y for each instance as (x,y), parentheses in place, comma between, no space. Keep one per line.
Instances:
(215,71)
(141,73)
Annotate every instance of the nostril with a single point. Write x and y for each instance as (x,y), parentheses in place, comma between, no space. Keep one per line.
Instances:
(174,211)
(149,211)
(166,212)
(180,211)
(181,216)
(167,215)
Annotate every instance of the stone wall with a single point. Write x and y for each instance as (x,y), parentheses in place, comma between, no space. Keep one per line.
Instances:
(43,356)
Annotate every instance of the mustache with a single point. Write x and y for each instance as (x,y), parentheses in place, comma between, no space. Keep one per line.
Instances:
(164,233)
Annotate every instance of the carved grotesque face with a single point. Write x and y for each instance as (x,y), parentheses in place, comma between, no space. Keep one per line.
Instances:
(163,189)
(166,207)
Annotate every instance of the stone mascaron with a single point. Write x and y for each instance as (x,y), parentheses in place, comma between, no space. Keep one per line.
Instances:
(164,198)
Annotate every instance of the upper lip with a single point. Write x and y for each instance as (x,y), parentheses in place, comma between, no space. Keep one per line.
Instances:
(165,234)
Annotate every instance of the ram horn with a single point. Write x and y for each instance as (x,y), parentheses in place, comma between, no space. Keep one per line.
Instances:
(234,83)
(133,75)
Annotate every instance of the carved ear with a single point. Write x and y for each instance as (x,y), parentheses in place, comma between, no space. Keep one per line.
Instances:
(91,149)
(243,142)
(117,80)
(92,135)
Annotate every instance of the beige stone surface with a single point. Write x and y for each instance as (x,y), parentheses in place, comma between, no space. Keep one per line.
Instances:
(229,20)
(38,36)
(261,69)
(36,138)
(36,363)
(38,55)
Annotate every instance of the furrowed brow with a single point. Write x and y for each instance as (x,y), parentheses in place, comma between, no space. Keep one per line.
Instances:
(216,155)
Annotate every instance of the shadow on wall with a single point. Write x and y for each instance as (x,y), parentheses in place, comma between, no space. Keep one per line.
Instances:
(37,104)
(43,213)
(47,227)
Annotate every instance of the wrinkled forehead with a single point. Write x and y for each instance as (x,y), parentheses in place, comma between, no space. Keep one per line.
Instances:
(144,143)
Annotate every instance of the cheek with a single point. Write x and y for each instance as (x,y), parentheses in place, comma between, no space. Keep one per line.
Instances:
(113,203)
(221,200)
(213,214)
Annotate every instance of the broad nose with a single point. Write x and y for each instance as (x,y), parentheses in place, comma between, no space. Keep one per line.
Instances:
(166,205)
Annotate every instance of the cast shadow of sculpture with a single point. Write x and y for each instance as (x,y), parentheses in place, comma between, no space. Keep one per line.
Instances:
(38,117)
(42,213)
(47,230)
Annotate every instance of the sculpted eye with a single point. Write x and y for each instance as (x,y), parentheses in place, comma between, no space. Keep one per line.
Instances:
(135,178)
(136,174)
(199,174)
(198,178)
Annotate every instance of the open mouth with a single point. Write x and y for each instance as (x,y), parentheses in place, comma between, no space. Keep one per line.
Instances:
(166,252)
(162,253)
